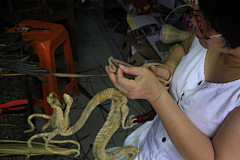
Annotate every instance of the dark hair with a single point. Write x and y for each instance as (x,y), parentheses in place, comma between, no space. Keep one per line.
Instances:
(224,17)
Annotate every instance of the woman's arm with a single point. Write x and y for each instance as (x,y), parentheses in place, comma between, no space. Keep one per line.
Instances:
(193,144)
(174,58)
(190,142)
(179,52)
(227,140)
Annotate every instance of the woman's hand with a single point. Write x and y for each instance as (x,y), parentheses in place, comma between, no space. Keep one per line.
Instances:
(144,86)
(161,72)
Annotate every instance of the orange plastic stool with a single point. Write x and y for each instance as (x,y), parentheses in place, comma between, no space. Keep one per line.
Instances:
(45,44)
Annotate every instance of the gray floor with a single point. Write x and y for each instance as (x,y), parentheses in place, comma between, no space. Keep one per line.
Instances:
(96,43)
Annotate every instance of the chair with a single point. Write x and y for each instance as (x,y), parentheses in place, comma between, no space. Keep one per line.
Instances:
(18,10)
(45,44)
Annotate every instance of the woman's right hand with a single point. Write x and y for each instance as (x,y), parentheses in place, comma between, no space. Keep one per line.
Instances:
(145,85)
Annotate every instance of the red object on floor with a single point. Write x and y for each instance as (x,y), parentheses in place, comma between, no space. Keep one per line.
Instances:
(145,117)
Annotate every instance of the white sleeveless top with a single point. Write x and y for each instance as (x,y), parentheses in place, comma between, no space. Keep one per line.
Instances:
(205,104)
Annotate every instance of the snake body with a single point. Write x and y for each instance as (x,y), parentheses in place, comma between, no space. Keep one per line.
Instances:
(117,115)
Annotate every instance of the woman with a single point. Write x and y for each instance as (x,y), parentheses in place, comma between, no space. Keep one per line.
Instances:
(199,117)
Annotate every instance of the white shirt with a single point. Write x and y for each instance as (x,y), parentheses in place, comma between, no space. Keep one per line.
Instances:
(205,104)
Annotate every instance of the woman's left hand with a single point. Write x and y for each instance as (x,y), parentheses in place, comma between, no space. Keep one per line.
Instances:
(144,86)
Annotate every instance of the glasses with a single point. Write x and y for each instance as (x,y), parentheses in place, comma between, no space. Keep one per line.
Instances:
(199,26)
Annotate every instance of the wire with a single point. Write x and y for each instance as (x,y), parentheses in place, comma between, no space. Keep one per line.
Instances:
(185,5)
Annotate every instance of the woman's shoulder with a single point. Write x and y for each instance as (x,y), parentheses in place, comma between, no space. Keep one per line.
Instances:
(226,141)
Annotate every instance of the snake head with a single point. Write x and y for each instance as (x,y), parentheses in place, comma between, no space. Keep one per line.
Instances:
(114,64)
(68,99)
(54,100)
